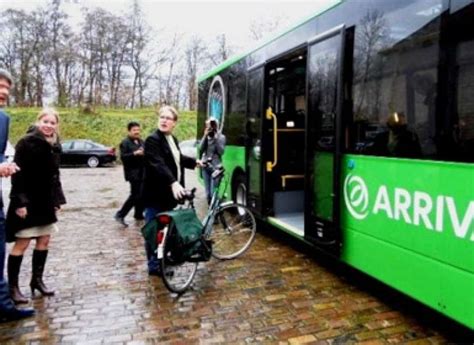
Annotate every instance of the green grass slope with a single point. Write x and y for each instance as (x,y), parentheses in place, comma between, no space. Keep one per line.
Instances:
(106,126)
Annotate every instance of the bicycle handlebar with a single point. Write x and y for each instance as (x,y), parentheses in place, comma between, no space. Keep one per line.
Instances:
(189,195)
(217,170)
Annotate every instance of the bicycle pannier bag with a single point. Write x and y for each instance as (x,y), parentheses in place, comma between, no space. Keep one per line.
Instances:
(188,244)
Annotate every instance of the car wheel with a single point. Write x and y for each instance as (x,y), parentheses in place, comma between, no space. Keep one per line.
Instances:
(93,162)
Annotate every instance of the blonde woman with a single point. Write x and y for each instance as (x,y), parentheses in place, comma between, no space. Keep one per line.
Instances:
(36,196)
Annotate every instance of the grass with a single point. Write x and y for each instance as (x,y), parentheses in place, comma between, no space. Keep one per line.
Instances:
(106,126)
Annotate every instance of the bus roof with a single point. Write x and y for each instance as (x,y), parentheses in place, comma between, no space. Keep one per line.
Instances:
(234,59)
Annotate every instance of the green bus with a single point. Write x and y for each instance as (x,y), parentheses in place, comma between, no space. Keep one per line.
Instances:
(354,132)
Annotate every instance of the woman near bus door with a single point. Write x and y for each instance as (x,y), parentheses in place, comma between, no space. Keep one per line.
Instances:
(212,148)
(164,174)
(36,196)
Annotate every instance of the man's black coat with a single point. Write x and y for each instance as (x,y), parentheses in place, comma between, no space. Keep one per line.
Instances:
(132,164)
(161,172)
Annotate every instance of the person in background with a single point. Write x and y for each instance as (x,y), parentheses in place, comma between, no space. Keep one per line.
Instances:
(398,141)
(164,174)
(212,148)
(8,311)
(35,198)
(132,154)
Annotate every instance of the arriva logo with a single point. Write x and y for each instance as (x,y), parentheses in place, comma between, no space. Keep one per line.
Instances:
(356,196)
(412,207)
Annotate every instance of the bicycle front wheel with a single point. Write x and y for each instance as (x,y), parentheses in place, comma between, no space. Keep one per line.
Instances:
(177,274)
(233,231)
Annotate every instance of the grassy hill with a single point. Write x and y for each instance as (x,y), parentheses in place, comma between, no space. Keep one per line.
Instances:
(107,126)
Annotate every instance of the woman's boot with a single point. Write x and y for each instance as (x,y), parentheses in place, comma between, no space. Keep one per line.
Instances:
(39,260)
(14,264)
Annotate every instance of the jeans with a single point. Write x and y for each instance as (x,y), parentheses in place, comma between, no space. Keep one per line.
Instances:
(153,262)
(208,183)
(6,302)
(133,200)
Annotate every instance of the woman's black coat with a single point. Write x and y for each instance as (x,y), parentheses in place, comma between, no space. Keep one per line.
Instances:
(161,172)
(36,186)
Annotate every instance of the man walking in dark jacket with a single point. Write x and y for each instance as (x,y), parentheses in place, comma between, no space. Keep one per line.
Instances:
(132,155)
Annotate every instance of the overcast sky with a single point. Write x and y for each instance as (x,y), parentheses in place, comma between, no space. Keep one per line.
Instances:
(206,18)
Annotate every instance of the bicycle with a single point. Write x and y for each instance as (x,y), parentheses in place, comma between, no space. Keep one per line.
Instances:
(226,232)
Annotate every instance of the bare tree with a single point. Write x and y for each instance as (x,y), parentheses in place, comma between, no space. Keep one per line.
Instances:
(194,53)
(21,42)
(102,58)
(143,60)
(62,55)
(260,28)
(89,53)
(116,48)
(169,78)
(222,50)
(112,60)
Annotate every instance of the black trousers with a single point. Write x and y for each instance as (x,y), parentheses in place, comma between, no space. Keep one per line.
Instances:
(133,200)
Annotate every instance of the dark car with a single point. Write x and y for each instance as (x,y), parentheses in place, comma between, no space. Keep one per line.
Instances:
(86,152)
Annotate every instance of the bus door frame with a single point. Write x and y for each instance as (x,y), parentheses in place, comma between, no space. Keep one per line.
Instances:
(255,202)
(327,235)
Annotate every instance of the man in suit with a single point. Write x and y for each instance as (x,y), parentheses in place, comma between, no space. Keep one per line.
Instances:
(132,155)
(164,174)
(8,311)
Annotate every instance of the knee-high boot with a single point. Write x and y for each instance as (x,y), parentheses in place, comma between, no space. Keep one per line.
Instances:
(14,264)
(39,260)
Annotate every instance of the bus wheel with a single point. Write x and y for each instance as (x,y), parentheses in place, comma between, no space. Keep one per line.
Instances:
(239,189)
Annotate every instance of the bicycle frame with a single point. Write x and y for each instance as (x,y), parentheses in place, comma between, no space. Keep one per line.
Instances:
(179,271)
(213,206)
(207,221)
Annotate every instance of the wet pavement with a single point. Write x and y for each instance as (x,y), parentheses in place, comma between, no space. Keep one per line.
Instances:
(277,293)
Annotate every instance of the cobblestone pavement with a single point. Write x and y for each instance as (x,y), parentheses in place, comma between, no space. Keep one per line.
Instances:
(275,294)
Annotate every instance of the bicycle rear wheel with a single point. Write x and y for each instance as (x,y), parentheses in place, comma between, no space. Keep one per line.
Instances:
(177,274)
(233,231)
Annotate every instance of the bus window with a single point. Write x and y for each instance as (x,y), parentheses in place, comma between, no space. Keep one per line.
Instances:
(463,129)
(396,62)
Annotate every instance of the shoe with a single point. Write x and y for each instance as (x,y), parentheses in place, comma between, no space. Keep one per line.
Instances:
(38,263)
(120,220)
(14,314)
(139,218)
(14,264)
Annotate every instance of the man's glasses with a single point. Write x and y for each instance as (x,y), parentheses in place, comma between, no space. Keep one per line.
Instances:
(167,118)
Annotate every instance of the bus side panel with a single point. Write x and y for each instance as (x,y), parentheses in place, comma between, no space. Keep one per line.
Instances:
(456,299)
(410,224)
(442,287)
(233,158)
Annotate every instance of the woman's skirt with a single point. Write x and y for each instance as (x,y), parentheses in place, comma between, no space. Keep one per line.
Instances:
(37,231)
